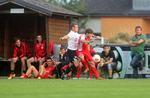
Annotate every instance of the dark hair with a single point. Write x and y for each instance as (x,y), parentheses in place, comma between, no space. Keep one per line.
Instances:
(73,24)
(104,46)
(16,39)
(88,31)
(39,35)
(138,27)
(49,58)
(61,48)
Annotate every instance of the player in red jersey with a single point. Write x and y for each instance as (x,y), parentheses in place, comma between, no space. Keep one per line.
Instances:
(47,70)
(20,52)
(85,54)
(40,52)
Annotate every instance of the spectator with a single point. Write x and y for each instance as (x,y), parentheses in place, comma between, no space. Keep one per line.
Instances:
(137,50)
(63,61)
(108,60)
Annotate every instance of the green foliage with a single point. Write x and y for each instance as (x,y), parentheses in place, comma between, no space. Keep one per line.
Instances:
(74,5)
(78,6)
(120,38)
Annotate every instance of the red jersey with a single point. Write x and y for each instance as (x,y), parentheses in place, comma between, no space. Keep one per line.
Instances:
(20,51)
(51,48)
(49,71)
(86,46)
(40,49)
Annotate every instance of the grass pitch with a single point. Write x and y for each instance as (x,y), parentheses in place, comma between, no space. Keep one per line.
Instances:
(33,88)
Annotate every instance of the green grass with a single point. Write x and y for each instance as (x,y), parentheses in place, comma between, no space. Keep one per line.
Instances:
(32,88)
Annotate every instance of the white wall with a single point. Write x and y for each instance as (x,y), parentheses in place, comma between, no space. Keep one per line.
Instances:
(95,24)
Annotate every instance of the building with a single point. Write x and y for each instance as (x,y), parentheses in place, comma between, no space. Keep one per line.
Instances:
(110,17)
(27,18)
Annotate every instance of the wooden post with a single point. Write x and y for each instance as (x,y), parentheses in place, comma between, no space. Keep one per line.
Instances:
(47,33)
(6,39)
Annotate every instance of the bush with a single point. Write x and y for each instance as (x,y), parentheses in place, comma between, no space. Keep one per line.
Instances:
(120,38)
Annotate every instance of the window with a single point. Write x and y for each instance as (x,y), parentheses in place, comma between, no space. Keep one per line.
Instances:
(141,4)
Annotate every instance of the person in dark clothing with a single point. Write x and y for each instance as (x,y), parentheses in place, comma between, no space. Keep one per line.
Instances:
(109,60)
(63,61)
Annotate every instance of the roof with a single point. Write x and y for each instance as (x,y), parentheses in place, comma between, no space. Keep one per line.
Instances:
(113,8)
(41,7)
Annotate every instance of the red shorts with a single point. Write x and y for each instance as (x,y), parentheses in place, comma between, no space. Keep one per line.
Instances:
(65,67)
(45,76)
(78,53)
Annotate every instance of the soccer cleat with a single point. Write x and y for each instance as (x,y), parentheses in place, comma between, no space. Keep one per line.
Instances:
(23,76)
(11,76)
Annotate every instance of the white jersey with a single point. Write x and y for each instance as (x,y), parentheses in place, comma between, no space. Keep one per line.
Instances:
(73,40)
(80,43)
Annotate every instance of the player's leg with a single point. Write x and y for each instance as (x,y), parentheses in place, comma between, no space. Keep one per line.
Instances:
(79,70)
(23,62)
(30,60)
(31,70)
(42,71)
(84,62)
(93,69)
(110,70)
(41,60)
(13,61)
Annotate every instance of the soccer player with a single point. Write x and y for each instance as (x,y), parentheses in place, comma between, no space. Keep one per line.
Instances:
(72,38)
(19,53)
(40,51)
(47,70)
(84,53)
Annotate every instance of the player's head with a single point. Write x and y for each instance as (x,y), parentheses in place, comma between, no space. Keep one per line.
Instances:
(17,42)
(74,27)
(106,48)
(49,61)
(138,30)
(62,50)
(89,32)
(39,38)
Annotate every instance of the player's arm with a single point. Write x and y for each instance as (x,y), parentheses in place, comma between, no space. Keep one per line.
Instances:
(64,37)
(109,61)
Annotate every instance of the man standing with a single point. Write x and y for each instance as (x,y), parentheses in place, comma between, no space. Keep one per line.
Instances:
(72,38)
(137,50)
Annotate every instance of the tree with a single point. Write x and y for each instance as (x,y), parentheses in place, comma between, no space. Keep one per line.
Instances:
(78,6)
(74,5)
